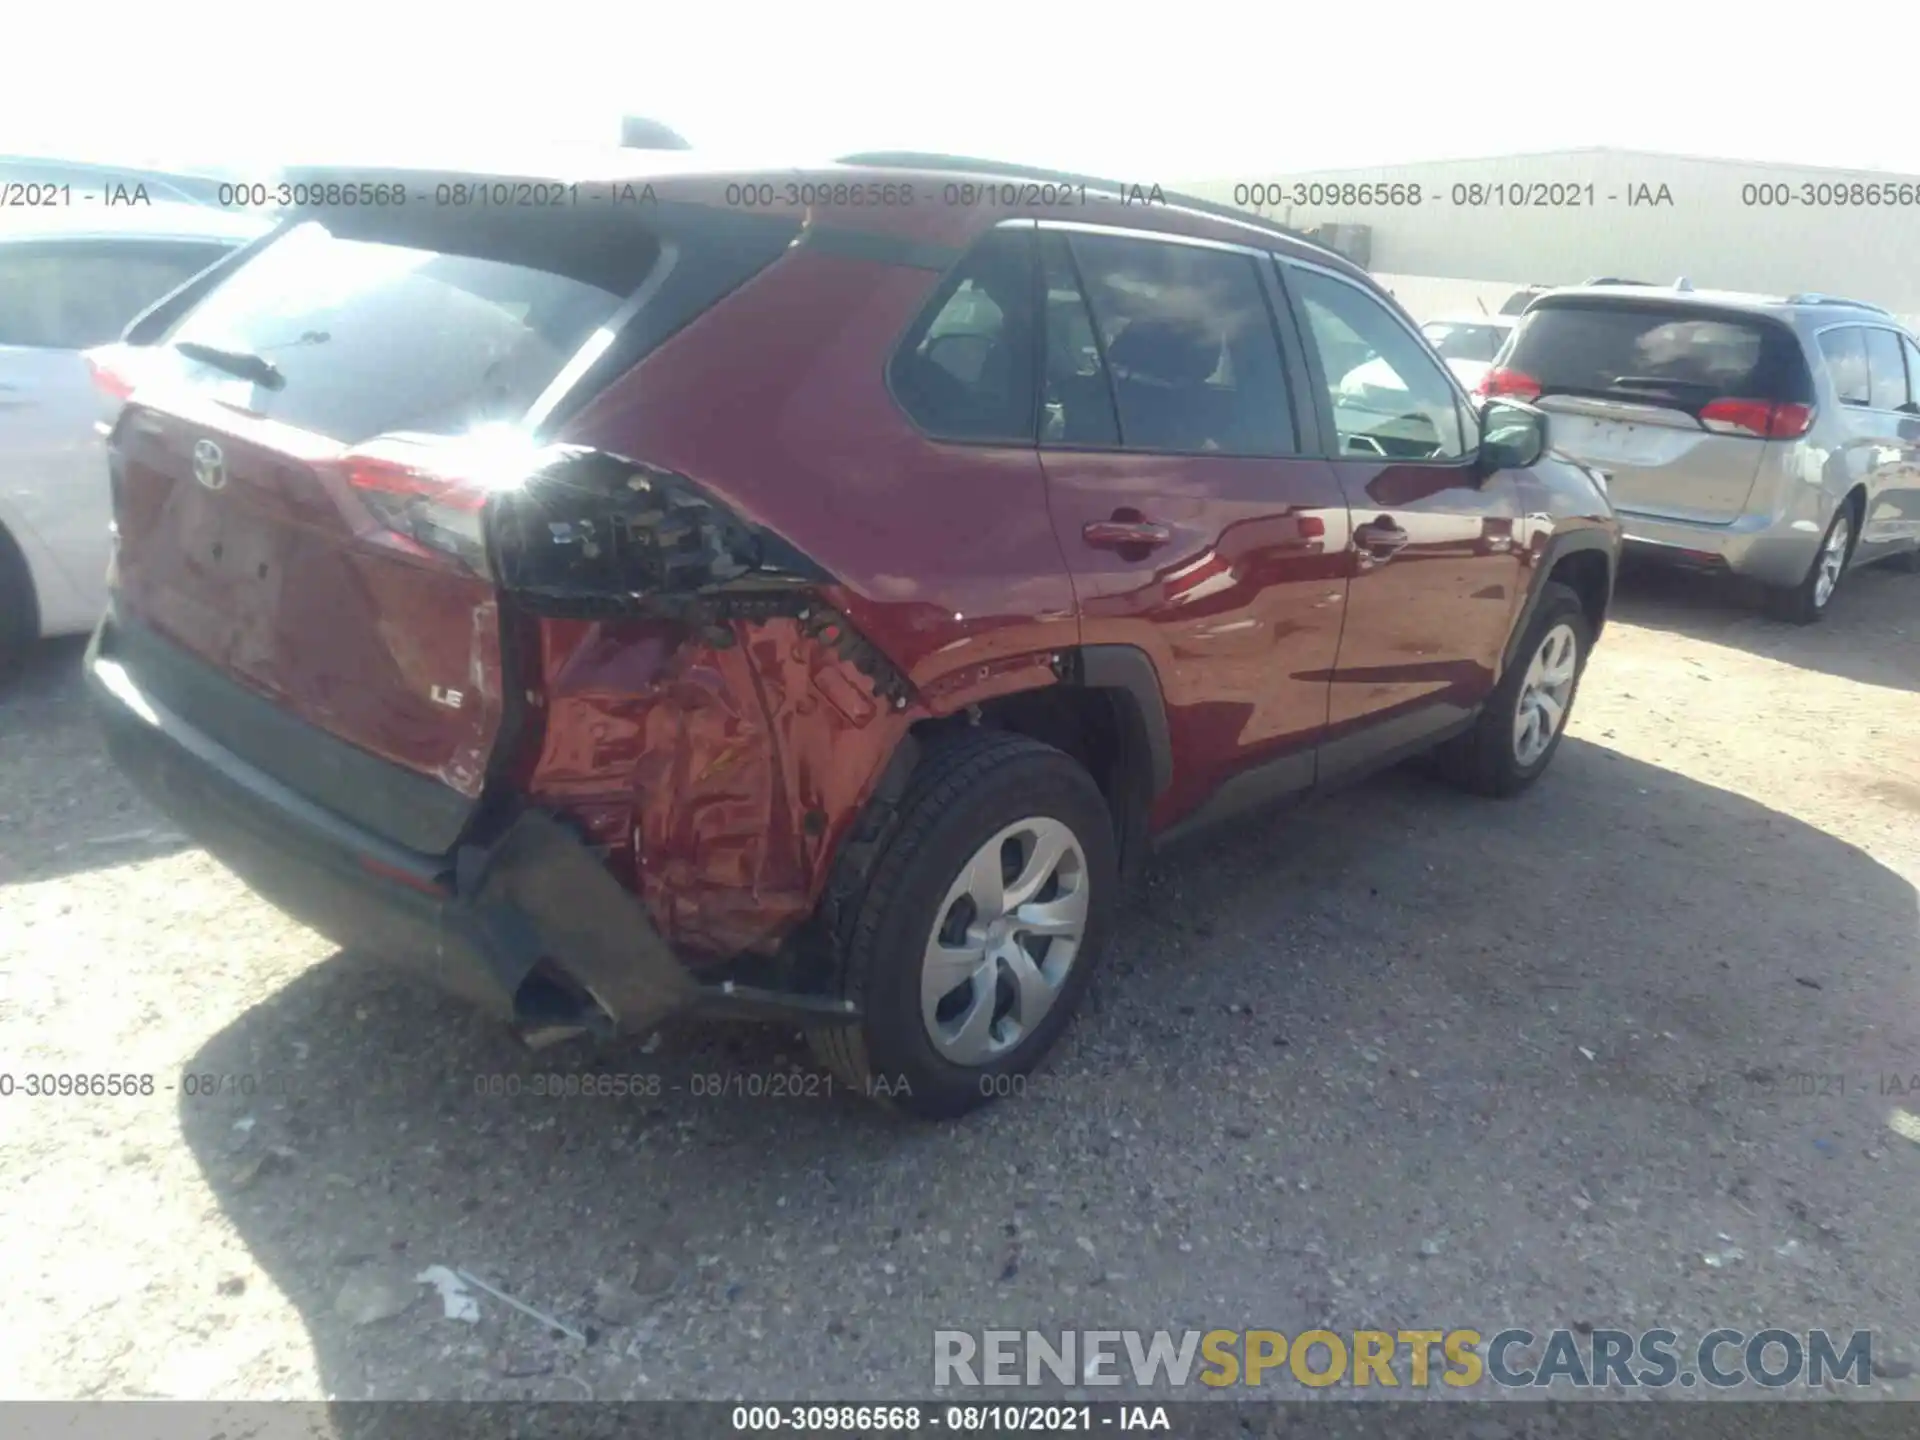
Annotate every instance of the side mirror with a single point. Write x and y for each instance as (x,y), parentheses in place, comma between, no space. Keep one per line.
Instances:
(1512,436)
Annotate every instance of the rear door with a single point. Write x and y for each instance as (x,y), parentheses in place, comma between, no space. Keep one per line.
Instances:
(59,297)
(1437,555)
(1198,522)
(1882,423)
(1675,401)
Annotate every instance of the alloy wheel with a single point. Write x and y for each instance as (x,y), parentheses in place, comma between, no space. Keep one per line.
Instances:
(1832,562)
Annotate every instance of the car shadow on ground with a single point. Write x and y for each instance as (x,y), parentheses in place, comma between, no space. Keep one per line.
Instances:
(63,807)
(1871,633)
(388,1130)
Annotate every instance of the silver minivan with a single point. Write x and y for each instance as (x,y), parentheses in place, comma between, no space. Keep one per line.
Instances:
(1777,438)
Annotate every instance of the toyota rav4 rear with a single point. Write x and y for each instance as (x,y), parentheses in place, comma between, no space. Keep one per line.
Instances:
(615,599)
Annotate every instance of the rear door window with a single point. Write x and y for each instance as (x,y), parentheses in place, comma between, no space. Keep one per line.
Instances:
(371,338)
(75,294)
(965,369)
(1648,352)
(1886,371)
(1188,339)
(1845,349)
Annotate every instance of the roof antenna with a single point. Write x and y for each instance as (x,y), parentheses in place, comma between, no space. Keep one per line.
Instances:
(1481,303)
(1683,283)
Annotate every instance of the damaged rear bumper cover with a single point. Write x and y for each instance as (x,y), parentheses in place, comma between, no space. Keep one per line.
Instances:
(479,922)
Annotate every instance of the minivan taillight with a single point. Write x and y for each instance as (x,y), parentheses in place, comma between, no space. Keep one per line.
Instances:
(1502,381)
(1766,419)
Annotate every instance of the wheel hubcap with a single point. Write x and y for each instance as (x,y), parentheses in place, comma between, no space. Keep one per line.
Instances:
(1006,935)
(1833,560)
(1545,694)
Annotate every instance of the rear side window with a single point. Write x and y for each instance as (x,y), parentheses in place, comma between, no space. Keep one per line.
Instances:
(1189,342)
(1658,354)
(73,295)
(1845,350)
(965,369)
(1886,371)
(372,338)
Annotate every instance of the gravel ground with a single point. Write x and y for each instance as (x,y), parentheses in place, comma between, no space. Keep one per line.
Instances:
(1401,1058)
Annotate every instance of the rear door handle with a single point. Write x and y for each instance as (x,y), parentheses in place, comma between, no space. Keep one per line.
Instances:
(1380,538)
(1123,534)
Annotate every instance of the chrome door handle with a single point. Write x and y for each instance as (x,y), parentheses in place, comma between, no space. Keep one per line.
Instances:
(1122,534)
(1380,538)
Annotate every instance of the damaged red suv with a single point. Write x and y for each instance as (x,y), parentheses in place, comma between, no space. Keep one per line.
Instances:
(804,594)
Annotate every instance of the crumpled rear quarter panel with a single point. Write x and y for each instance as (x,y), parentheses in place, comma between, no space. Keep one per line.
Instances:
(720,777)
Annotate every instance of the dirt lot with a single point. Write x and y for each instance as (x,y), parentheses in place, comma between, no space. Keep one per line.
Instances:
(1402,1058)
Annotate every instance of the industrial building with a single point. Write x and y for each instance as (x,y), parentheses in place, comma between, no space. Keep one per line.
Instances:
(1484,227)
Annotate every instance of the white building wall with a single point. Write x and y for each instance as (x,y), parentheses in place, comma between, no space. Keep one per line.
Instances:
(1712,230)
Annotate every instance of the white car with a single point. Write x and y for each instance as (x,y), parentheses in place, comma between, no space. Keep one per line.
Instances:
(71,278)
(1467,343)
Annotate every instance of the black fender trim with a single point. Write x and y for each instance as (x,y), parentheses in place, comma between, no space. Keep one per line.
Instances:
(1126,667)
(1571,542)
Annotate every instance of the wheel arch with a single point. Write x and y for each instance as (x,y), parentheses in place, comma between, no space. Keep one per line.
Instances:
(1586,561)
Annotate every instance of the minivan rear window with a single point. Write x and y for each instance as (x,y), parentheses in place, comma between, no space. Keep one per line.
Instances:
(1662,354)
(370,337)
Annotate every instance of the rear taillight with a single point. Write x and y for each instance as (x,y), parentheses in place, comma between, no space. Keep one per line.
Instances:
(429,493)
(1501,381)
(112,375)
(1766,419)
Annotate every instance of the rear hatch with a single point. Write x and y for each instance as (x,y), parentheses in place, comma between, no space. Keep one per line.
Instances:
(1675,401)
(300,474)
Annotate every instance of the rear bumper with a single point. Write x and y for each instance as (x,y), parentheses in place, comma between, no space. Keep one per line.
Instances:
(478,921)
(1775,550)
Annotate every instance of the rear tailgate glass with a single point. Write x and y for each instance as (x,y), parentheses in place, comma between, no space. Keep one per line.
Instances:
(1657,353)
(371,337)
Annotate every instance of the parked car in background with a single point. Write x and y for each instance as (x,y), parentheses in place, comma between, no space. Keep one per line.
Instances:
(808,613)
(1467,343)
(71,278)
(1771,436)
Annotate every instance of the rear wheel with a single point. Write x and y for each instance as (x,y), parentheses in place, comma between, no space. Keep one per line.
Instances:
(1807,602)
(1519,728)
(19,607)
(979,928)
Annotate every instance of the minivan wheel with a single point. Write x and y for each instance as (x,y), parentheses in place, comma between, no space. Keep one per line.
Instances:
(1521,725)
(1807,602)
(979,929)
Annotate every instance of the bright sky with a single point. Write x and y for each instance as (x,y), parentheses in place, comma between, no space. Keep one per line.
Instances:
(1139,91)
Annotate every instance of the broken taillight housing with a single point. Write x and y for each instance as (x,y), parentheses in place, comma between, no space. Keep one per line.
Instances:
(432,491)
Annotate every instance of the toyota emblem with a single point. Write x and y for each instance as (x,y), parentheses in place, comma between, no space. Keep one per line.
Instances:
(209,465)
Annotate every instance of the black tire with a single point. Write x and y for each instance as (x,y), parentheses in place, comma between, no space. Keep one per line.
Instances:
(19,606)
(1801,604)
(966,791)
(1484,760)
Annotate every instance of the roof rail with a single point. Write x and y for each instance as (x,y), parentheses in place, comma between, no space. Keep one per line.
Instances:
(1611,280)
(1814,298)
(963,164)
